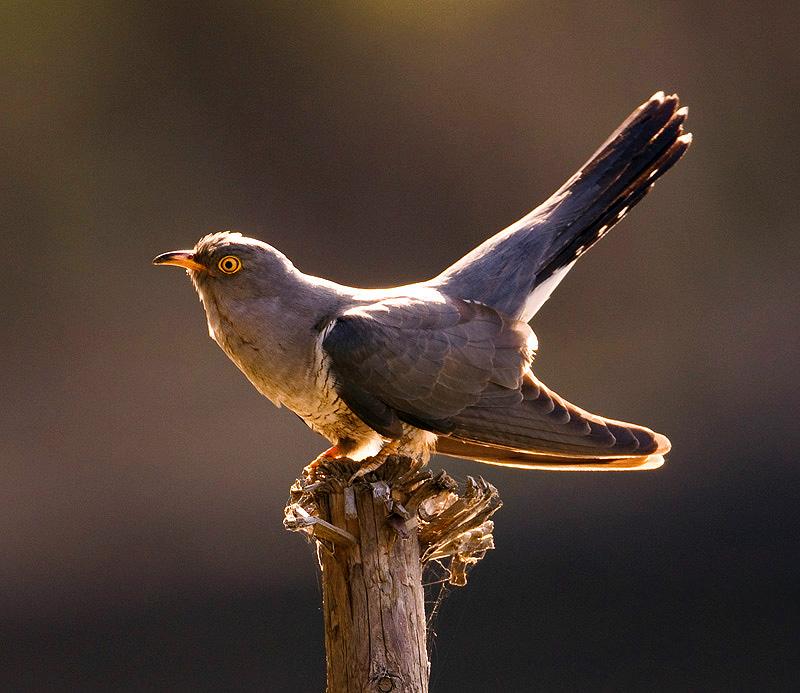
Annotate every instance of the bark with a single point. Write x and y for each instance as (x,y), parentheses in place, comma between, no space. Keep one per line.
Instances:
(373,539)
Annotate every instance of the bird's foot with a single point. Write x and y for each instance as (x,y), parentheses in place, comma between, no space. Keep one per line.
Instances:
(375,462)
(310,470)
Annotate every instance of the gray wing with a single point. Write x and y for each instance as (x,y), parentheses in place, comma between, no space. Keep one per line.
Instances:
(462,370)
(516,270)
(423,362)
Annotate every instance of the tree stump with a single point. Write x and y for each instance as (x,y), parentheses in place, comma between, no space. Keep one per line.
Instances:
(374,538)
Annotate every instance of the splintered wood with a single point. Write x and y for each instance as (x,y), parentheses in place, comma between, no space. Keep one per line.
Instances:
(373,540)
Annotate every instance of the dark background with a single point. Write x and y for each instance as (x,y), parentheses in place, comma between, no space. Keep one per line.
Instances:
(143,479)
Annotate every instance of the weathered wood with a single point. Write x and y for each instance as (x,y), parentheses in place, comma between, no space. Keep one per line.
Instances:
(374,538)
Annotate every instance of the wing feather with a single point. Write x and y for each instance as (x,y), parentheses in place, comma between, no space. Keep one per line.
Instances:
(462,370)
(427,364)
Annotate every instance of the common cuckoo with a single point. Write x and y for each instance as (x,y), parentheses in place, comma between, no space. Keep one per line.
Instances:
(443,365)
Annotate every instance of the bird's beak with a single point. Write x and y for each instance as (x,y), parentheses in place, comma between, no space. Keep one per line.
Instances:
(180,258)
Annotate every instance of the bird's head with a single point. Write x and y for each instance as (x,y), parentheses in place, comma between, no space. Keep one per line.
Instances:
(227,267)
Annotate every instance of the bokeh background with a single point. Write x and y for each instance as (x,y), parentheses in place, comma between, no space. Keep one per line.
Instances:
(143,480)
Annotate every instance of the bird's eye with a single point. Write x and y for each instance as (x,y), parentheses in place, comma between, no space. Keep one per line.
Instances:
(230,264)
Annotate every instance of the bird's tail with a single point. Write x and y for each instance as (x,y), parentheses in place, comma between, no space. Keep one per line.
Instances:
(619,174)
(515,270)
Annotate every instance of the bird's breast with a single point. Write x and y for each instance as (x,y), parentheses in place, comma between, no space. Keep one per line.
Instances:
(282,356)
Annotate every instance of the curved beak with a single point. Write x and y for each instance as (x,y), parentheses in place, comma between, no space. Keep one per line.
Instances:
(179,258)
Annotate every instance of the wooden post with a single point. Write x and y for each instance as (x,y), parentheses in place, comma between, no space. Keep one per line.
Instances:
(373,540)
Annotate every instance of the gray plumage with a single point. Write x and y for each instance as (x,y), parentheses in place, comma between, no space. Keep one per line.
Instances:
(447,362)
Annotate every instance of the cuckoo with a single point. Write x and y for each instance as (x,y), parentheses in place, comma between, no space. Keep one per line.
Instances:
(443,365)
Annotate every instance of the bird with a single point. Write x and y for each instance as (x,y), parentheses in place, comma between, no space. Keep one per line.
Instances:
(443,365)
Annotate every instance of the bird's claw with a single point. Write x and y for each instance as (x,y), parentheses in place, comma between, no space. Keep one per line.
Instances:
(373,464)
(310,470)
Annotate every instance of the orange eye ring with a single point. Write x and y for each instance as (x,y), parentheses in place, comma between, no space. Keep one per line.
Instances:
(230,264)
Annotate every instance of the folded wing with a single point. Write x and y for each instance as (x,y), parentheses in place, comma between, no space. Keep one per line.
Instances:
(462,370)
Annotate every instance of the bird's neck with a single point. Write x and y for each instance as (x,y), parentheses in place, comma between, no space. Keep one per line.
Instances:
(272,338)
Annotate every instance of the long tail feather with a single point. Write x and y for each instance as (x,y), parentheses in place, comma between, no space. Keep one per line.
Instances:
(515,270)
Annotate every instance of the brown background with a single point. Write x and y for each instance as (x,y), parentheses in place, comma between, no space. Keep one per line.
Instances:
(142,478)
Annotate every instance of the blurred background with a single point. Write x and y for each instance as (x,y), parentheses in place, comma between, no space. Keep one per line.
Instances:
(143,479)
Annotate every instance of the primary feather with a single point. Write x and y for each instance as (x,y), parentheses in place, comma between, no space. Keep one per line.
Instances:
(462,370)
